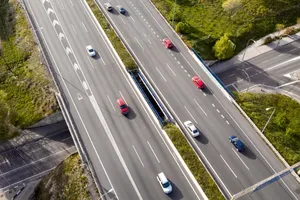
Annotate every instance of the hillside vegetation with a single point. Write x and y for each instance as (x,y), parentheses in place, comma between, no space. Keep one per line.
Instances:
(25,86)
(66,181)
(203,22)
(283,131)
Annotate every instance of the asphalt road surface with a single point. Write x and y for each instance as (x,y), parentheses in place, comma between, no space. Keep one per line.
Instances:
(275,68)
(26,160)
(170,71)
(126,152)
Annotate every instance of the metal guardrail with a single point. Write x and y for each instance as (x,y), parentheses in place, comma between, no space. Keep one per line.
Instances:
(214,75)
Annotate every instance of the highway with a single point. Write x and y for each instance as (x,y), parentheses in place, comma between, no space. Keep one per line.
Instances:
(126,152)
(170,72)
(274,68)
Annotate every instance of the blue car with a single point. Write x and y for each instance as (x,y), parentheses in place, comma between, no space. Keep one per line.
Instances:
(121,9)
(238,144)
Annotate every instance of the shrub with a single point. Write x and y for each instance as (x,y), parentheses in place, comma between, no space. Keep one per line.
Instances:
(268,40)
(182,27)
(224,48)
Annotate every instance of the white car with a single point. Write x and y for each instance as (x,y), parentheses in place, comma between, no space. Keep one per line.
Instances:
(108,6)
(164,183)
(90,50)
(191,128)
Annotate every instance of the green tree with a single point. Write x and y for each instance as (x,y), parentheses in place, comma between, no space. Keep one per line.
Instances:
(224,48)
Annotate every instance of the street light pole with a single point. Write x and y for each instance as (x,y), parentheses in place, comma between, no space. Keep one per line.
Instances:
(269,118)
(247,47)
(109,191)
(248,78)
(173,13)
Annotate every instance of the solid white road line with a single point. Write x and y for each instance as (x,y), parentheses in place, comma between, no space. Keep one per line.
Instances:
(228,166)
(71,3)
(235,87)
(137,155)
(66,139)
(254,146)
(170,69)
(285,62)
(64,83)
(110,48)
(73,29)
(111,103)
(132,18)
(123,97)
(190,114)
(33,162)
(161,74)
(102,60)
(153,152)
(123,20)
(88,58)
(84,27)
(61,5)
(240,158)
(200,107)
(139,43)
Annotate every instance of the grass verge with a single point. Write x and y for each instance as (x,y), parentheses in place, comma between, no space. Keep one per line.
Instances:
(190,158)
(66,181)
(283,130)
(203,22)
(115,40)
(25,86)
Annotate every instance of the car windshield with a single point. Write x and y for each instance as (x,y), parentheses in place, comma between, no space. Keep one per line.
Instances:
(167,184)
(195,131)
(91,50)
(123,106)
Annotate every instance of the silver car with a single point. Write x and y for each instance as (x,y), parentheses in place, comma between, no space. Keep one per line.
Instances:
(191,128)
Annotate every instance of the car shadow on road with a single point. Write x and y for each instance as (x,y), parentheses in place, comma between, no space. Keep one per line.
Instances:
(248,153)
(114,11)
(202,138)
(206,90)
(131,114)
(97,56)
(174,49)
(287,48)
(176,193)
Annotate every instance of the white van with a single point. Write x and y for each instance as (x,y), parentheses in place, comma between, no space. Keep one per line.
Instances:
(164,183)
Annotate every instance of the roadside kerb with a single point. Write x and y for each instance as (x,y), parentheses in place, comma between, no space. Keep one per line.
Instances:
(141,97)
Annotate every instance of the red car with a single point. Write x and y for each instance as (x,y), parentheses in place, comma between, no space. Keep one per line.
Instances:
(197,81)
(123,107)
(168,44)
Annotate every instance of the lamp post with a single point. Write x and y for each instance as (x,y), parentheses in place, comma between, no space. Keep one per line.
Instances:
(269,117)
(173,13)
(109,191)
(248,78)
(247,47)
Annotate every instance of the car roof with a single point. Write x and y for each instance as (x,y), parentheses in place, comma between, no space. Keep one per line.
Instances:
(120,101)
(167,40)
(162,177)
